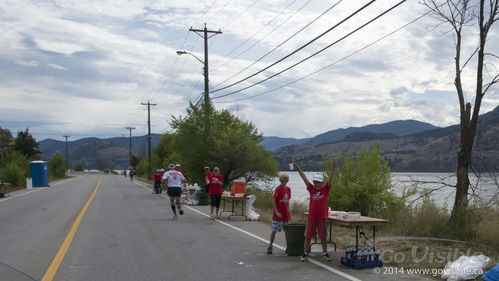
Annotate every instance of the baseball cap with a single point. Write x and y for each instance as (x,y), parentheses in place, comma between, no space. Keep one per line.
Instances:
(318,178)
(178,165)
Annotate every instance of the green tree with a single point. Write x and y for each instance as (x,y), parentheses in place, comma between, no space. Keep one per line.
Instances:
(14,167)
(57,166)
(468,18)
(79,167)
(6,140)
(208,137)
(26,144)
(362,183)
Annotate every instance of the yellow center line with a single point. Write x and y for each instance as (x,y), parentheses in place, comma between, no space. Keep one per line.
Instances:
(56,262)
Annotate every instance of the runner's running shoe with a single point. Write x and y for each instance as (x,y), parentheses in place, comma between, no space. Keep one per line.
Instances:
(304,258)
(326,257)
(175,217)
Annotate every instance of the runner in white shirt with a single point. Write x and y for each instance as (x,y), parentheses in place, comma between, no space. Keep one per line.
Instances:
(175,181)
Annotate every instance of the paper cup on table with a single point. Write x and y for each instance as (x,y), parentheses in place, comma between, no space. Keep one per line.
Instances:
(290,166)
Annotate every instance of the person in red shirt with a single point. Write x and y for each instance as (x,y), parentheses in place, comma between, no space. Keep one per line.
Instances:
(216,181)
(317,210)
(158,175)
(280,212)
(207,175)
(178,169)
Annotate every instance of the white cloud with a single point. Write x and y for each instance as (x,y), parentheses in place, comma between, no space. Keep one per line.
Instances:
(85,67)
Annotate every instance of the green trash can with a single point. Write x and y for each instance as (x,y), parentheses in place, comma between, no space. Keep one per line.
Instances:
(295,239)
(203,197)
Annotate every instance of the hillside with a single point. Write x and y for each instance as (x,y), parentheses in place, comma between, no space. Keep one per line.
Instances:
(113,152)
(432,150)
(385,130)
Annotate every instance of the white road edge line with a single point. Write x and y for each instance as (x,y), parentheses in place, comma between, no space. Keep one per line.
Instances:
(328,268)
(38,189)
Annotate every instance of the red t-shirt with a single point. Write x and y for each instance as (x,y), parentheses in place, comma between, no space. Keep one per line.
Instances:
(216,188)
(207,177)
(317,208)
(158,176)
(282,196)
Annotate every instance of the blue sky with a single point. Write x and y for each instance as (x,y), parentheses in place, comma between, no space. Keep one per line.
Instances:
(83,68)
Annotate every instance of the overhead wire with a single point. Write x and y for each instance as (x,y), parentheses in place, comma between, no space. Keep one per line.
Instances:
(282,43)
(254,34)
(272,31)
(297,50)
(314,54)
(331,64)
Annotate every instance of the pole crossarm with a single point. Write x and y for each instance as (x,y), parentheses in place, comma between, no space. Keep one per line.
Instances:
(204,34)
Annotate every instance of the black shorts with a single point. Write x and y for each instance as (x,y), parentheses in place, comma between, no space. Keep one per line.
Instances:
(157,184)
(174,191)
(215,200)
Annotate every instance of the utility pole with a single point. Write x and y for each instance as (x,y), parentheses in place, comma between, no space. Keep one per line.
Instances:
(67,158)
(130,128)
(204,33)
(149,134)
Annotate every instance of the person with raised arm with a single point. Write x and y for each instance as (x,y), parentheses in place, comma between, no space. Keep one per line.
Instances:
(317,210)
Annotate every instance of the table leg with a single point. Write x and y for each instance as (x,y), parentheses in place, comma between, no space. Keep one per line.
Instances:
(356,239)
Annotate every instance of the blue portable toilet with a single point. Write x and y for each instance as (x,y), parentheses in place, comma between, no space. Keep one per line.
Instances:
(39,171)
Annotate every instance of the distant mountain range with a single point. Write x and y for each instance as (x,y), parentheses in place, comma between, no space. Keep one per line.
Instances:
(115,152)
(420,147)
(408,145)
(377,131)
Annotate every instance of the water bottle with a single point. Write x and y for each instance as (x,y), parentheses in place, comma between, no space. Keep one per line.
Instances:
(365,254)
(377,257)
(371,257)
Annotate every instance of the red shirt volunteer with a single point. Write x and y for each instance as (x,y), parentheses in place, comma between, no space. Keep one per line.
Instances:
(216,188)
(282,196)
(318,202)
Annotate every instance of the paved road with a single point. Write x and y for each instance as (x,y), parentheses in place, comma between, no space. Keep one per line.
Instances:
(127,234)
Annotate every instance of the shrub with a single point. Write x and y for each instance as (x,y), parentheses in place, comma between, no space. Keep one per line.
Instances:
(13,167)
(79,167)
(13,174)
(363,183)
(263,196)
(57,166)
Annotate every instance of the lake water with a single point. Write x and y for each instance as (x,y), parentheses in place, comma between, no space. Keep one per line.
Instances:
(441,194)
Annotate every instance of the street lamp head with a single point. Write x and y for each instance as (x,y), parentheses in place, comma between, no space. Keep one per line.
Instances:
(181,53)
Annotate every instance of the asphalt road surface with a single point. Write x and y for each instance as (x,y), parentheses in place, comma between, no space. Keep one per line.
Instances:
(105,227)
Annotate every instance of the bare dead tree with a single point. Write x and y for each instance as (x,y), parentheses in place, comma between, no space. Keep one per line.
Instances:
(460,14)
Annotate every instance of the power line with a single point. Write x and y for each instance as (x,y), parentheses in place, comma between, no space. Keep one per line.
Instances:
(316,53)
(254,34)
(333,63)
(282,43)
(297,50)
(272,31)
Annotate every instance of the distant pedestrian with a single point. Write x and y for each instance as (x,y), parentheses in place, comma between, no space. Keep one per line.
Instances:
(158,175)
(216,181)
(124,173)
(207,175)
(317,210)
(131,174)
(175,181)
(280,210)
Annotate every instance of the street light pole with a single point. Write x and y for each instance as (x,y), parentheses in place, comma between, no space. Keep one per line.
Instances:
(205,36)
(130,128)
(67,158)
